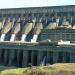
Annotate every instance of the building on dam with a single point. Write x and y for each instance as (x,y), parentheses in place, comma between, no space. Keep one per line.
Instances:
(37,35)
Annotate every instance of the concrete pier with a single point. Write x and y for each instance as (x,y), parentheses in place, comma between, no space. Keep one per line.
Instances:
(0,55)
(11,57)
(72,57)
(48,56)
(32,57)
(18,57)
(6,56)
(39,57)
(51,57)
(25,58)
(55,57)
(67,57)
(60,57)
(64,57)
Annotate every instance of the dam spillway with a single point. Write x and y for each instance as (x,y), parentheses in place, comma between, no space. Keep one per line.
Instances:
(37,35)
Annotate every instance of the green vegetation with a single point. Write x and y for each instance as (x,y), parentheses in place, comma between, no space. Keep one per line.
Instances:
(55,69)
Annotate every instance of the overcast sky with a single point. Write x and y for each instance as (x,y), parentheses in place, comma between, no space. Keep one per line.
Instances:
(34,3)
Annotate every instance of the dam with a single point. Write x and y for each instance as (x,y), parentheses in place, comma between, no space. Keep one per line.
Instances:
(37,34)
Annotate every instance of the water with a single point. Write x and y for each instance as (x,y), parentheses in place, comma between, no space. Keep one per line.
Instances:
(23,37)
(2,37)
(34,39)
(12,37)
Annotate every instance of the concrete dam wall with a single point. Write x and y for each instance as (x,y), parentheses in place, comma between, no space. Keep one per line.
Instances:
(41,35)
(22,57)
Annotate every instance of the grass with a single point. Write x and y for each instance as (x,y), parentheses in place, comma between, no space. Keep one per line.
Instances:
(55,69)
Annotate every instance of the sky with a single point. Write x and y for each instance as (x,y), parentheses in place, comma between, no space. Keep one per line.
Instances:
(33,3)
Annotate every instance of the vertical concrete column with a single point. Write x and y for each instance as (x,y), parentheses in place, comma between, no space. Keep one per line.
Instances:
(72,57)
(0,55)
(55,57)
(25,58)
(67,57)
(39,57)
(32,57)
(60,57)
(48,56)
(18,57)
(11,56)
(64,57)
(51,57)
(5,56)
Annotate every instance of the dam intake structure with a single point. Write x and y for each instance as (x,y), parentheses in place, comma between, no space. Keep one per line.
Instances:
(37,35)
